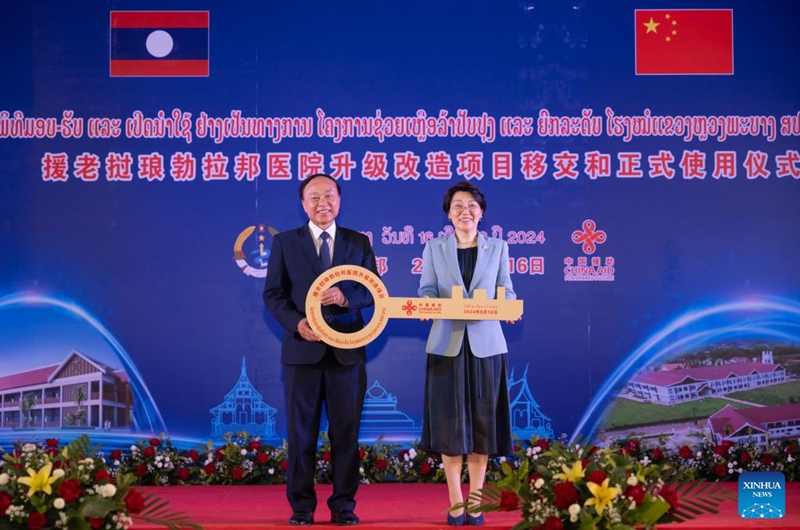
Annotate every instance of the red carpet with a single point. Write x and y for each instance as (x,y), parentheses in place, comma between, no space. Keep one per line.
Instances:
(396,506)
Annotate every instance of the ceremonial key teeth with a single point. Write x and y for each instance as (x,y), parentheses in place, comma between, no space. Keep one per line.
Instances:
(456,308)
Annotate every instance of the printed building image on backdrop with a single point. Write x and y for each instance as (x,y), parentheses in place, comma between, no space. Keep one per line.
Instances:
(648,197)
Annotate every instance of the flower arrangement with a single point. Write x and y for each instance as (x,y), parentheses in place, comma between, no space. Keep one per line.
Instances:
(727,460)
(558,485)
(44,487)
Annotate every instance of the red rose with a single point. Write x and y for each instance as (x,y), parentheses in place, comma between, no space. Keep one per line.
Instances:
(36,521)
(210,468)
(140,470)
(361,454)
(685,452)
(96,522)
(5,501)
(542,444)
(194,456)
(720,470)
(424,468)
(402,454)
(516,448)
(69,490)
(149,452)
(670,496)
(155,442)
(721,450)
(57,464)
(134,501)
(658,454)
(219,454)
(533,477)
(100,475)
(116,454)
(728,443)
(183,473)
(625,450)
(509,501)
(566,494)
(766,459)
(254,445)
(791,449)
(745,457)
(381,464)
(597,476)
(262,458)
(552,523)
(237,473)
(285,466)
(592,450)
(326,456)
(634,445)
(635,493)
(51,442)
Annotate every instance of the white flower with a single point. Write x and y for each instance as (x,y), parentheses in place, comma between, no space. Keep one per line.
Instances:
(412,453)
(574,509)
(59,503)
(4,478)
(109,490)
(539,483)
(632,480)
(271,471)
(243,452)
(699,454)
(646,460)
(28,448)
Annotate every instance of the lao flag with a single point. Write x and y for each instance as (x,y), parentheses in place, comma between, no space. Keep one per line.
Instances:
(684,41)
(159,44)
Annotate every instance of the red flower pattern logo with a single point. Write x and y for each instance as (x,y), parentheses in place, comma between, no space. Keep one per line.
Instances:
(589,237)
(409,308)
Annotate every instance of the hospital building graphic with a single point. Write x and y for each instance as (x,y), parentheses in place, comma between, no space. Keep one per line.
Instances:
(78,392)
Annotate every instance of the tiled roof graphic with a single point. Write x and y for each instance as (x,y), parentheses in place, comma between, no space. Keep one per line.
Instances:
(705,373)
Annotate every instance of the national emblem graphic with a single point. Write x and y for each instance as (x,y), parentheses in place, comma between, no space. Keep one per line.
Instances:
(259,255)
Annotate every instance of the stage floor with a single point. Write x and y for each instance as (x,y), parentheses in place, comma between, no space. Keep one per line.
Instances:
(413,506)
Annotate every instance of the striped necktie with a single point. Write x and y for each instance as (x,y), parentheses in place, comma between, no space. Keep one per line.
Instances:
(325,251)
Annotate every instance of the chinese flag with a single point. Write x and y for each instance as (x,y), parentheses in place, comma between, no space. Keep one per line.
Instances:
(684,41)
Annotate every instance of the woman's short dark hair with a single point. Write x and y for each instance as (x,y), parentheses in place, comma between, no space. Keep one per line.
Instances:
(312,177)
(470,188)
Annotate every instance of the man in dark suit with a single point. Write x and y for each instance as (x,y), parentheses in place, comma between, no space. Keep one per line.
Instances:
(315,372)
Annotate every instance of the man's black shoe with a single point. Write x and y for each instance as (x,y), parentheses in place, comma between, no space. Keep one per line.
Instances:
(345,518)
(301,518)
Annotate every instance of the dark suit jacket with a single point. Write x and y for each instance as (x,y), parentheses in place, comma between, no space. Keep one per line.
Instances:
(293,267)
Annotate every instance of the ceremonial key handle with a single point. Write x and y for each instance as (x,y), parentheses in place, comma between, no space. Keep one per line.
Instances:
(456,308)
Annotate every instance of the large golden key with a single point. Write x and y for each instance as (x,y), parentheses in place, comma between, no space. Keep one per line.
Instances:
(386,307)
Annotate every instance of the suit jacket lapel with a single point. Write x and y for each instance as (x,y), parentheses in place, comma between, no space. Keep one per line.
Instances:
(480,262)
(339,248)
(310,250)
(451,259)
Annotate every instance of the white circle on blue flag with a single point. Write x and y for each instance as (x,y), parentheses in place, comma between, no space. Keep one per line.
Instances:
(159,43)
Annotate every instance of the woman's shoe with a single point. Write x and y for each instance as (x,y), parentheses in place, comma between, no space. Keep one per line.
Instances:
(476,520)
(457,520)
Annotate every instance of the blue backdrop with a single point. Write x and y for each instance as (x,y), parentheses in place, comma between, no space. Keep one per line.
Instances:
(629,201)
